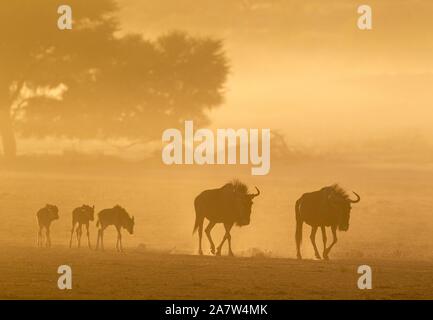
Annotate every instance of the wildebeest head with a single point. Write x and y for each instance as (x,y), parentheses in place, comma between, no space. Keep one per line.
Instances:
(128,223)
(89,210)
(53,211)
(341,204)
(243,202)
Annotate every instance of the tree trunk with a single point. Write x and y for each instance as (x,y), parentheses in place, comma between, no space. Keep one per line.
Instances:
(7,135)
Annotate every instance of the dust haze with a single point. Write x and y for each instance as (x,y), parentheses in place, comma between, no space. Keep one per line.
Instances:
(81,121)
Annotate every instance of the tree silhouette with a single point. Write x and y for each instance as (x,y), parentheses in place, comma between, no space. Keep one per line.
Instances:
(89,82)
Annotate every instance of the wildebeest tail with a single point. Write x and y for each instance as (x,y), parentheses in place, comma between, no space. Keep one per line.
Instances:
(98,223)
(196,225)
(198,220)
(299,221)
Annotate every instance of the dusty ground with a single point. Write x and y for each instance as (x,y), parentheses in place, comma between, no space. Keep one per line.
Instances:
(139,275)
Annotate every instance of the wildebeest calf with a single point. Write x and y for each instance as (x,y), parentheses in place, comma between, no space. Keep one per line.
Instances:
(82,216)
(45,216)
(118,217)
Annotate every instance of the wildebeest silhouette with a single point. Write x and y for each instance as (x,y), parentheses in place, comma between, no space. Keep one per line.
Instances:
(82,216)
(230,204)
(327,207)
(118,217)
(45,216)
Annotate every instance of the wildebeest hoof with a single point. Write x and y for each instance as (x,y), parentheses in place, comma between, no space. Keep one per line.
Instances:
(212,250)
(200,252)
(231,254)
(218,253)
(325,255)
(318,256)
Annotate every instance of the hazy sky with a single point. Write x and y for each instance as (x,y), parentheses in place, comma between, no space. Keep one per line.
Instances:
(303,66)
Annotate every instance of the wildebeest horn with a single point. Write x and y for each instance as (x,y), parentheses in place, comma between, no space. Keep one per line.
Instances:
(357,200)
(255,195)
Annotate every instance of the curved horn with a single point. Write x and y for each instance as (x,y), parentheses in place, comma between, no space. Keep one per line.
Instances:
(255,195)
(357,200)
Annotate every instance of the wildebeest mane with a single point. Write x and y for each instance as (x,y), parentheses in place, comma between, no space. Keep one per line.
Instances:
(121,209)
(339,191)
(237,186)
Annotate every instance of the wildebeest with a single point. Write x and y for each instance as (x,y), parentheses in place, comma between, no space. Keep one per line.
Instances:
(45,216)
(82,216)
(118,217)
(327,207)
(230,204)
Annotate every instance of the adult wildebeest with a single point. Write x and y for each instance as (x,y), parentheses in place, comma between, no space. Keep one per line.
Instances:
(118,217)
(82,216)
(45,216)
(230,204)
(328,207)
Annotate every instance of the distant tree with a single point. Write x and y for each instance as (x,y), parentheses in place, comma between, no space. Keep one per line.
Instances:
(89,82)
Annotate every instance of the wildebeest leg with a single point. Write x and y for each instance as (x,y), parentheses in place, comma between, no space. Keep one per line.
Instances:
(39,240)
(119,240)
(200,235)
(325,256)
(102,238)
(88,235)
(228,237)
(72,234)
(298,237)
(97,239)
(334,241)
(218,252)
(48,244)
(79,233)
(208,230)
(313,241)
(228,227)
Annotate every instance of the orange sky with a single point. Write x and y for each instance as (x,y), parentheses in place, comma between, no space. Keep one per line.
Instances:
(304,68)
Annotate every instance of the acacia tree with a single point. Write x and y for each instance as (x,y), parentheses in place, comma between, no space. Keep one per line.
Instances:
(89,83)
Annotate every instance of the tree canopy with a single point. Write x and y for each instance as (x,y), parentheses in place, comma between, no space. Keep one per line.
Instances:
(90,83)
